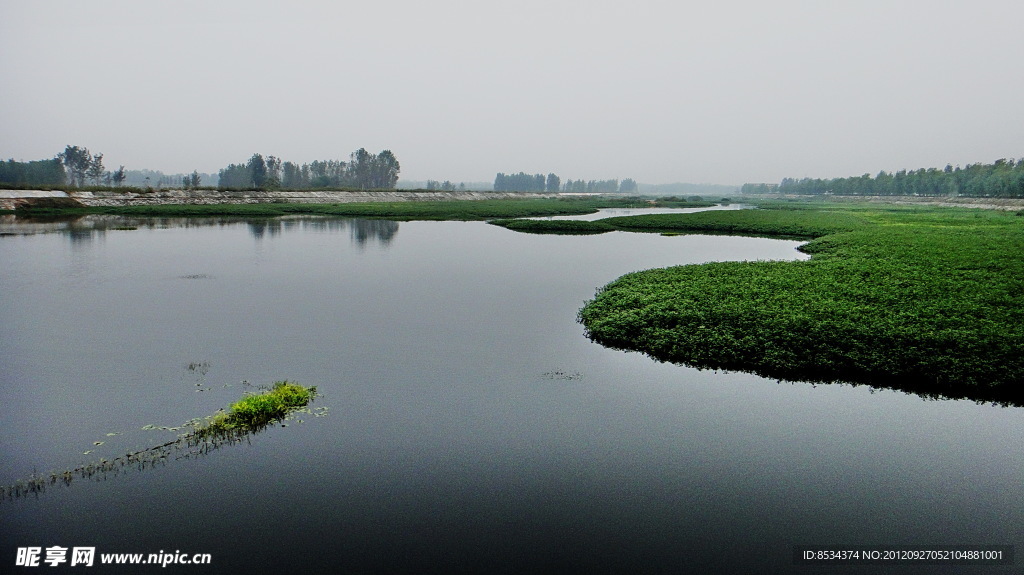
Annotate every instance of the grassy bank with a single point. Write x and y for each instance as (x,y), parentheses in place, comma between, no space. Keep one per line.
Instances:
(564,227)
(422,210)
(926,300)
(782,223)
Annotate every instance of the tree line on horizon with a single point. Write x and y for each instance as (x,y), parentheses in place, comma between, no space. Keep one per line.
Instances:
(363,170)
(73,168)
(77,167)
(1001,179)
(445,186)
(523,182)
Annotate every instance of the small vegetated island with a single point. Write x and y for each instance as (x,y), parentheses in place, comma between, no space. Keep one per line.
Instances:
(925,299)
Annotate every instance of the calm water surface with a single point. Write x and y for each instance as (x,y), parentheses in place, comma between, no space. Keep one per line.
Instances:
(471,426)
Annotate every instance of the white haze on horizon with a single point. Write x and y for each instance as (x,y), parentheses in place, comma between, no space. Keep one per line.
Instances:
(658,91)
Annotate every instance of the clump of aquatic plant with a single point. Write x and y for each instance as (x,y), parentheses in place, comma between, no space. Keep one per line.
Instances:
(255,410)
(247,416)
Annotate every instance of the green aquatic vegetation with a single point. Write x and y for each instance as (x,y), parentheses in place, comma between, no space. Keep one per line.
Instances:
(566,227)
(927,301)
(256,410)
(250,415)
(775,223)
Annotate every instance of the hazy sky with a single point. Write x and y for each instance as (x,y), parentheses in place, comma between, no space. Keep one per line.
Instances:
(661,91)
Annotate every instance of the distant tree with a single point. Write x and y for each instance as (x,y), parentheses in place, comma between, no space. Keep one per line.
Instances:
(521,182)
(386,169)
(365,170)
(554,183)
(95,171)
(602,187)
(119,176)
(373,171)
(325,174)
(76,161)
(257,167)
(360,168)
(273,172)
(628,186)
(233,177)
(292,177)
(1002,178)
(34,173)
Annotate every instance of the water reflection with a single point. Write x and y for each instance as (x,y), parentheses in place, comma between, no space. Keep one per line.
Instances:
(360,231)
(381,230)
(85,229)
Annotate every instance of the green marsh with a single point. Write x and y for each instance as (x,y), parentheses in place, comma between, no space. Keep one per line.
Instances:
(922,299)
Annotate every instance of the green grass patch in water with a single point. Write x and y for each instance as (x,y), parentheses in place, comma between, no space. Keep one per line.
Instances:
(927,301)
(564,227)
(249,415)
(255,411)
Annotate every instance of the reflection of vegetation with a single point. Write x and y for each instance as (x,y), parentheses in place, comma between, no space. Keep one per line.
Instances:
(381,230)
(250,415)
(360,230)
(925,300)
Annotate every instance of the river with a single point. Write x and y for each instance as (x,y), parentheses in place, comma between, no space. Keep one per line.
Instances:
(464,422)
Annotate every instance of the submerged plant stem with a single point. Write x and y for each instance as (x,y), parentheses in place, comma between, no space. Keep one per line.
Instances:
(249,415)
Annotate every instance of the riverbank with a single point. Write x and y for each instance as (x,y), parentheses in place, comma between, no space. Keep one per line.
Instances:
(15,199)
(399,206)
